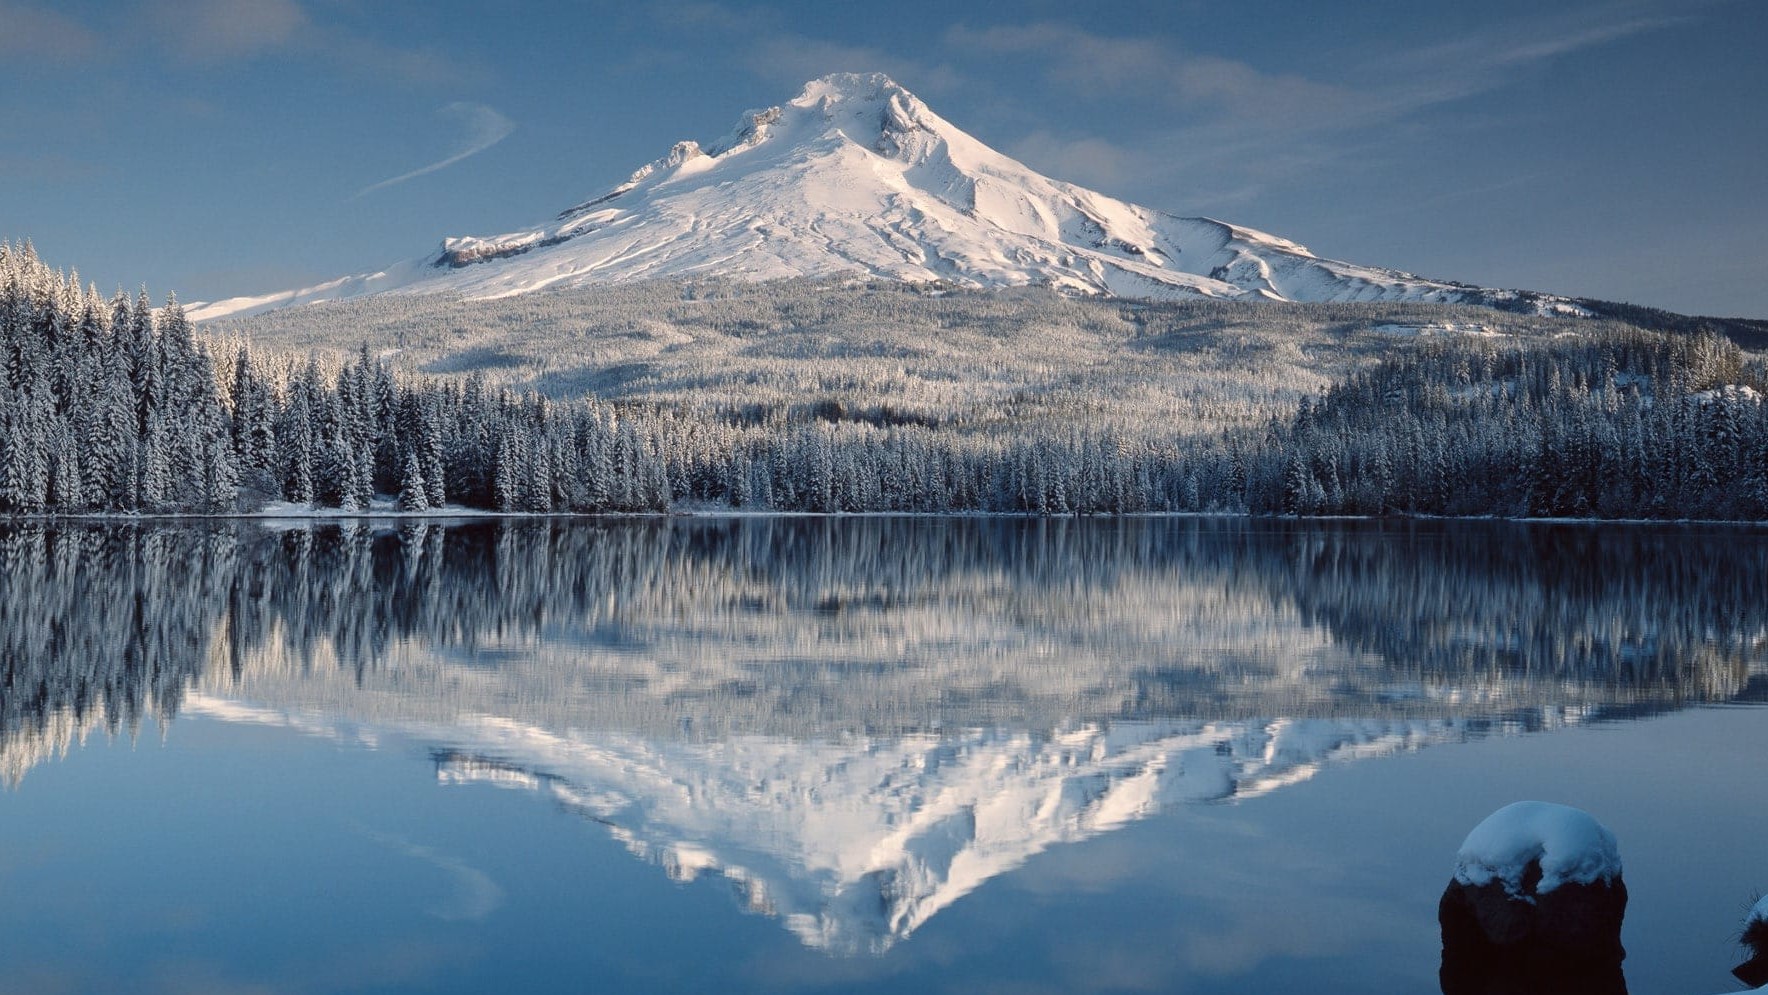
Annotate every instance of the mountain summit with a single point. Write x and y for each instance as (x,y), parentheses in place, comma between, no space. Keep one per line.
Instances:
(856,174)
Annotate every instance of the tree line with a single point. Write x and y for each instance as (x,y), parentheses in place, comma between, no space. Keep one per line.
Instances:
(113,622)
(116,406)
(1626,424)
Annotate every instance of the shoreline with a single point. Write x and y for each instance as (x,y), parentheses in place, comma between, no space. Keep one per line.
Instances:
(295,514)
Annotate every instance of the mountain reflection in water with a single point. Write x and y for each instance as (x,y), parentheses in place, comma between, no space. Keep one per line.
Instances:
(857,721)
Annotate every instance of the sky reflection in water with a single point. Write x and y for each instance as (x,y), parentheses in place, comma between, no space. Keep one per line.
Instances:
(938,753)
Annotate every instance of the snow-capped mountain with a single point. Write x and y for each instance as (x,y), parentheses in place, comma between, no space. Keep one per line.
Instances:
(855,842)
(856,174)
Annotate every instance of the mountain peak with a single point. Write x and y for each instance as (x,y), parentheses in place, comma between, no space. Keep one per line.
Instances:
(858,93)
(869,110)
(857,175)
(837,88)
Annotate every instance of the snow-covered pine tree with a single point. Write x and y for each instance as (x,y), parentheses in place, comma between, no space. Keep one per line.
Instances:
(413,492)
(504,493)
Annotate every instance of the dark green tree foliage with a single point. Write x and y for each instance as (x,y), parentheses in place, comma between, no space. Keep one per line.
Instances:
(1614,423)
(1618,425)
(110,624)
(119,408)
(104,408)
(413,493)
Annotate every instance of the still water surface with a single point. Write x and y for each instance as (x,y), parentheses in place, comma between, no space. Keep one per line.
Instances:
(785,754)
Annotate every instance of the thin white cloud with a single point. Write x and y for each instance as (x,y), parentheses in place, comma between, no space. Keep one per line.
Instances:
(482,126)
(1490,60)
(1090,161)
(1603,34)
(215,31)
(475,895)
(33,33)
(220,33)
(1231,129)
(1107,67)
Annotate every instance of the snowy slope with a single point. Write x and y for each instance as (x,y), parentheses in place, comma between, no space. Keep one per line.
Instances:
(858,175)
(855,843)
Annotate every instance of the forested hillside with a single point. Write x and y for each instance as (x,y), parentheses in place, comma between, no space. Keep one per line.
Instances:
(1623,424)
(114,406)
(1001,362)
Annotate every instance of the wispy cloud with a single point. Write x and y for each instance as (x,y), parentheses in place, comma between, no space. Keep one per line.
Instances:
(34,33)
(1490,60)
(211,31)
(1102,66)
(219,33)
(1576,40)
(475,895)
(481,127)
(1231,128)
(1090,161)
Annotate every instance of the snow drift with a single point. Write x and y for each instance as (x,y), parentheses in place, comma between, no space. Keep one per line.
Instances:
(1569,845)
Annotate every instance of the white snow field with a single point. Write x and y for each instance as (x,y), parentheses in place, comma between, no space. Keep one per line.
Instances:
(857,175)
(1571,846)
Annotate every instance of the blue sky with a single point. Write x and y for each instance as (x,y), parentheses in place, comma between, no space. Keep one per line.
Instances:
(1609,148)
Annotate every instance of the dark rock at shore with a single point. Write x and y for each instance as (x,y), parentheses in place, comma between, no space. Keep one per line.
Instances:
(1566,940)
(1754,972)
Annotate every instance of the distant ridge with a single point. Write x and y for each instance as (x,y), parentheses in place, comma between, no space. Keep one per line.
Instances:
(856,174)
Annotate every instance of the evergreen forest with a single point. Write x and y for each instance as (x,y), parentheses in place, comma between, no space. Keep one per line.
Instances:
(115,406)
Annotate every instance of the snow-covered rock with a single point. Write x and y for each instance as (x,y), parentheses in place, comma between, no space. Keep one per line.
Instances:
(1566,844)
(856,174)
(1536,905)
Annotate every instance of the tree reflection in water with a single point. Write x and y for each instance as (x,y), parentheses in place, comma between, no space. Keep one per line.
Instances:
(999,685)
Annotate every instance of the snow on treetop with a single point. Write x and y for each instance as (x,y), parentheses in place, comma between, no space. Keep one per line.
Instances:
(1757,914)
(1569,844)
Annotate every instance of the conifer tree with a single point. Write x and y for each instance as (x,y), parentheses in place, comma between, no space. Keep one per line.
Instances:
(413,494)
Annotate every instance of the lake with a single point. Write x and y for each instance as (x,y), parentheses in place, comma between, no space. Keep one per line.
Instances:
(781,754)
